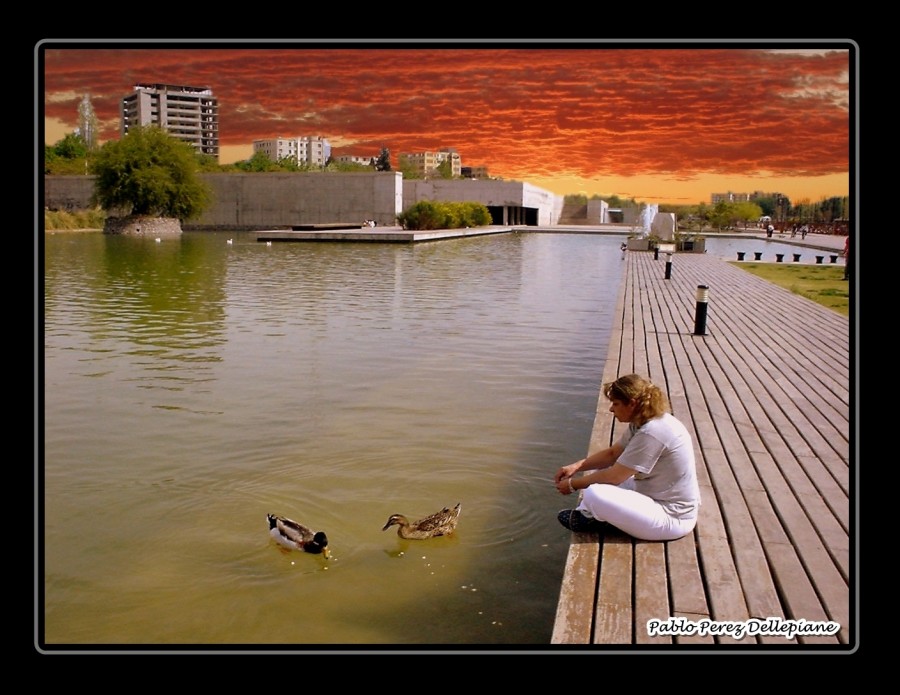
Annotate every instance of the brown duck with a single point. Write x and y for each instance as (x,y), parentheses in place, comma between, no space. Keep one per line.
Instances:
(441,523)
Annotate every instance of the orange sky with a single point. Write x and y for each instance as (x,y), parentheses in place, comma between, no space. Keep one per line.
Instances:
(661,123)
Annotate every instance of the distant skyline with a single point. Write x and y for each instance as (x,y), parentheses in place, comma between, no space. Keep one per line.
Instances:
(662,123)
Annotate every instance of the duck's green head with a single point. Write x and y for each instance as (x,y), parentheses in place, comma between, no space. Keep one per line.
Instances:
(319,544)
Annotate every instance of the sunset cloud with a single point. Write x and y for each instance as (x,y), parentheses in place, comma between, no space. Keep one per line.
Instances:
(599,114)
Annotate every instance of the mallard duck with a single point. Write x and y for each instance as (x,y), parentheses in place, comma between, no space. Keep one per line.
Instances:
(441,523)
(297,536)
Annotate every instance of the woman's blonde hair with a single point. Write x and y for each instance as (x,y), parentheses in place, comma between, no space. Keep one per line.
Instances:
(651,401)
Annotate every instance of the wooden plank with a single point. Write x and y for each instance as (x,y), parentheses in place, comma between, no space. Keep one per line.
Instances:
(800,598)
(575,609)
(689,639)
(685,577)
(614,609)
(651,591)
(723,586)
(807,518)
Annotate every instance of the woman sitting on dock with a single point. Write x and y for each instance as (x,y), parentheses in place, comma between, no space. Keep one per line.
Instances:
(646,483)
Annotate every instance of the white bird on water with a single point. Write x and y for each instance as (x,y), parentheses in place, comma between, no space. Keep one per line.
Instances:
(158,240)
(268,243)
(230,241)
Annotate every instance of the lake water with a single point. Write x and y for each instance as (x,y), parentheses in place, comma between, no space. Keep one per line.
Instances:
(728,248)
(191,386)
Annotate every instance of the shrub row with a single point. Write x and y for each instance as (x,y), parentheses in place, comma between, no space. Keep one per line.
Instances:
(428,214)
(76,219)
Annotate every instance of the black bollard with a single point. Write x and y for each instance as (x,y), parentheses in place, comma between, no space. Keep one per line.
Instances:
(700,315)
(656,253)
(668,266)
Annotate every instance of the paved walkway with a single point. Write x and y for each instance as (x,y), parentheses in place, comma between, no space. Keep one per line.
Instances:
(766,393)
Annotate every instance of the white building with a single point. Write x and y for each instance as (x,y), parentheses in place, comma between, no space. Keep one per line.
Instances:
(355,159)
(187,113)
(313,150)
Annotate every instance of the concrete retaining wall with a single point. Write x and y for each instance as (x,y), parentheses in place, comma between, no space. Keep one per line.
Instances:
(68,192)
(139,225)
(280,200)
(260,201)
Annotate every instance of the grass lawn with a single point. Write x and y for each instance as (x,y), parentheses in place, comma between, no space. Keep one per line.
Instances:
(822,284)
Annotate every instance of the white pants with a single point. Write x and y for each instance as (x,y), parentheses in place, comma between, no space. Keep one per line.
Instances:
(634,513)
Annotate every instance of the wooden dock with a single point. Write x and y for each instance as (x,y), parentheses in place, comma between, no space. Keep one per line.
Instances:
(766,394)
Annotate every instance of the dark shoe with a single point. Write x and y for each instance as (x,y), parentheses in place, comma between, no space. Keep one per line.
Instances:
(574,520)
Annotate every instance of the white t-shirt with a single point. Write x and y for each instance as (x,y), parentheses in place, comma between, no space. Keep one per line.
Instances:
(661,453)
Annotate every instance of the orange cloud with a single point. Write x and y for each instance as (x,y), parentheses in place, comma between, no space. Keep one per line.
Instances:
(598,113)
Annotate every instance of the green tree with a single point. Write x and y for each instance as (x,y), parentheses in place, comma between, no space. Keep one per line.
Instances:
(745,212)
(260,161)
(383,163)
(720,216)
(206,162)
(766,204)
(66,157)
(72,146)
(149,172)
(445,169)
(408,170)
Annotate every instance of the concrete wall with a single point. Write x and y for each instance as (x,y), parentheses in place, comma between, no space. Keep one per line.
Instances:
(279,200)
(257,201)
(597,211)
(68,192)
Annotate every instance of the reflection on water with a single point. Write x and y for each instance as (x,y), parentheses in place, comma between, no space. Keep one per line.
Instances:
(192,386)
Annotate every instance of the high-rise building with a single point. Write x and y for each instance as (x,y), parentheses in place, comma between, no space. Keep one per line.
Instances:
(313,150)
(187,113)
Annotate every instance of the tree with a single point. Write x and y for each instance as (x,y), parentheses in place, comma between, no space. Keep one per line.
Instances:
(149,172)
(746,212)
(68,156)
(408,169)
(383,163)
(72,146)
(260,161)
(720,216)
(445,170)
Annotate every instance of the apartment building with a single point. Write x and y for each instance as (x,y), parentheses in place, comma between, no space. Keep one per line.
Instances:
(729,197)
(355,159)
(313,150)
(427,163)
(474,172)
(741,197)
(187,113)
